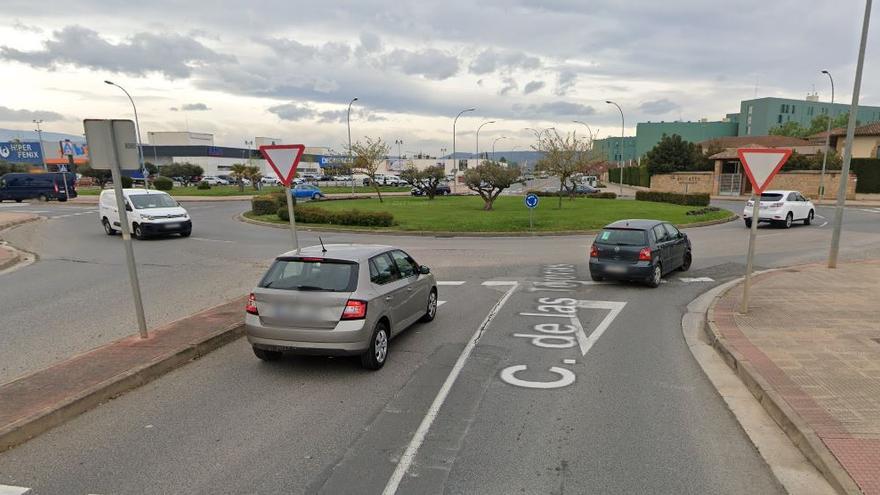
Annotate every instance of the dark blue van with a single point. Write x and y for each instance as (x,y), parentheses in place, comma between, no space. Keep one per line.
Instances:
(46,186)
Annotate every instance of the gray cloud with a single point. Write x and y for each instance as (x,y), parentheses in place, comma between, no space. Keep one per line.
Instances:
(293,111)
(492,60)
(565,81)
(429,63)
(20,26)
(298,112)
(510,86)
(170,54)
(370,43)
(194,107)
(533,86)
(554,109)
(10,115)
(658,107)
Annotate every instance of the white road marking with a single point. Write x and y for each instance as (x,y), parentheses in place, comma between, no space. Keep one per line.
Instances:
(496,283)
(13,205)
(586,343)
(450,282)
(569,361)
(13,490)
(419,436)
(824,224)
(870,210)
(688,280)
(212,240)
(440,303)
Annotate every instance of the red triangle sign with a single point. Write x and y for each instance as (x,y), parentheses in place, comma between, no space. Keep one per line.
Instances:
(761,164)
(283,158)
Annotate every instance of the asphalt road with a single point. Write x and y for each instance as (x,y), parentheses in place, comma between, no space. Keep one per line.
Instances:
(627,410)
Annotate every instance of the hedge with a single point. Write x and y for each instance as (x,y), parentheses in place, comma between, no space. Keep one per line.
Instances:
(553,194)
(311,214)
(163,183)
(203,186)
(867,171)
(264,205)
(127,182)
(634,176)
(696,199)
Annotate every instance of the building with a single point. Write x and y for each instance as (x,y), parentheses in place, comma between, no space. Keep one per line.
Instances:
(609,148)
(182,138)
(758,116)
(648,134)
(866,140)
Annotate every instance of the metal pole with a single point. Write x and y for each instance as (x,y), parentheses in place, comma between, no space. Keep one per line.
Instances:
(124,226)
(292,221)
(350,162)
(847,152)
(620,148)
(40,137)
(454,163)
(137,128)
(753,233)
(478,138)
(827,139)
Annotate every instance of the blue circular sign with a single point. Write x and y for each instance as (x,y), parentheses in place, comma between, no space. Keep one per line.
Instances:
(531,200)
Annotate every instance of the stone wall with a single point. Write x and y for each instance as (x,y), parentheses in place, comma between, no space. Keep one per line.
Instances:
(680,182)
(805,181)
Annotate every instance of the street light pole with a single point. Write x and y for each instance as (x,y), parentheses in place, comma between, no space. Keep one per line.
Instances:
(478,137)
(137,127)
(348,121)
(454,164)
(827,139)
(493,146)
(40,137)
(847,152)
(588,130)
(620,148)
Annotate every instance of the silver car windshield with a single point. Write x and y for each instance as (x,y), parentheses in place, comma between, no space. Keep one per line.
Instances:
(311,274)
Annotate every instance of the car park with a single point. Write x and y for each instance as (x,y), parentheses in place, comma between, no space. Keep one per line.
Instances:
(214,180)
(339,299)
(307,191)
(41,186)
(781,208)
(150,212)
(442,190)
(639,250)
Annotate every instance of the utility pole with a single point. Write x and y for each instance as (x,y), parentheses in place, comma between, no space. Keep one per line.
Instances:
(40,137)
(350,161)
(620,148)
(827,139)
(478,137)
(847,152)
(137,127)
(454,163)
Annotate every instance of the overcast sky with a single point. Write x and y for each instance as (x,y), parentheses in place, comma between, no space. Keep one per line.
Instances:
(286,68)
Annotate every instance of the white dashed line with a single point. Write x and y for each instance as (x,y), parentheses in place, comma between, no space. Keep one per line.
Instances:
(569,361)
(13,490)
(440,303)
(688,280)
(496,283)
(450,282)
(211,240)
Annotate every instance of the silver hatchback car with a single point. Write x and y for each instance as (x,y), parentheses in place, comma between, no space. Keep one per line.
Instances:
(338,299)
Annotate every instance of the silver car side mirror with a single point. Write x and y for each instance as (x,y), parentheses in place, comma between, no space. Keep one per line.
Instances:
(424,270)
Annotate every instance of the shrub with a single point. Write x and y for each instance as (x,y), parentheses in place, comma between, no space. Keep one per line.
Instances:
(127,181)
(703,211)
(203,186)
(695,199)
(603,195)
(264,205)
(553,194)
(867,171)
(311,214)
(163,183)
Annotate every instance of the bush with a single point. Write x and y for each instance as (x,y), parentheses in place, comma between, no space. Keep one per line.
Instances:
(203,186)
(127,181)
(565,194)
(703,211)
(264,205)
(695,199)
(634,176)
(311,214)
(603,195)
(867,171)
(163,183)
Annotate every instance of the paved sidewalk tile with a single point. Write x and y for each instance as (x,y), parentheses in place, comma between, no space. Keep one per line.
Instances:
(813,334)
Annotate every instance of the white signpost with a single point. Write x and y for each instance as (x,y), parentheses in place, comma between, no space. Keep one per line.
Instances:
(112,145)
(284,158)
(760,164)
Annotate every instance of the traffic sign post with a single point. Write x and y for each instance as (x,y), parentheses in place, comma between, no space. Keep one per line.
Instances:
(531,201)
(760,165)
(112,145)
(284,158)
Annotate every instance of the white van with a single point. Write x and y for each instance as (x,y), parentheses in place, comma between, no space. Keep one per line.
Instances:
(150,212)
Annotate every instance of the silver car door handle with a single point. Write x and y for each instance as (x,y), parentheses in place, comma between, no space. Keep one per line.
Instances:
(388,298)
(409,289)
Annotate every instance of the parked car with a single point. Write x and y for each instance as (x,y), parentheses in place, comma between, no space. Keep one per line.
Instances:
(42,186)
(307,191)
(442,190)
(781,208)
(339,299)
(585,189)
(639,250)
(342,178)
(214,180)
(150,212)
(269,181)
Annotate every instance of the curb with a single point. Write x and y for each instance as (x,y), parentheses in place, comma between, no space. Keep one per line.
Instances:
(421,233)
(15,223)
(9,263)
(32,425)
(797,430)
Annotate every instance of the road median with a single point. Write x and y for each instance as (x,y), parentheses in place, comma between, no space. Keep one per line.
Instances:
(47,398)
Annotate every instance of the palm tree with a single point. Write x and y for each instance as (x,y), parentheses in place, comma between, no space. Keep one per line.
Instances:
(253,173)
(239,172)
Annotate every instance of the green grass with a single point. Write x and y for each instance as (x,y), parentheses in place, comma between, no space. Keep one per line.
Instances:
(249,190)
(465,213)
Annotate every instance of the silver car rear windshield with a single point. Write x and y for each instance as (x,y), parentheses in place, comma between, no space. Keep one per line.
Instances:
(311,274)
(622,237)
(771,197)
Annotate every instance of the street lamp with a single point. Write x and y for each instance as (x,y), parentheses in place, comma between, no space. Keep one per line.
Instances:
(478,137)
(620,148)
(588,130)
(137,127)
(454,164)
(493,146)
(398,142)
(348,121)
(40,137)
(827,139)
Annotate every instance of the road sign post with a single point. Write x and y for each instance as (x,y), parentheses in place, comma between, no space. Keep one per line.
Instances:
(531,201)
(284,158)
(760,165)
(110,144)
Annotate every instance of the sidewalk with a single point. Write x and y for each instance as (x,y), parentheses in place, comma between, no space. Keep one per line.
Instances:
(12,219)
(809,350)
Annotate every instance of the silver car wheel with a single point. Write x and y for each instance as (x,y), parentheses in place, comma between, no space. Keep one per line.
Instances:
(657,275)
(381,345)
(432,305)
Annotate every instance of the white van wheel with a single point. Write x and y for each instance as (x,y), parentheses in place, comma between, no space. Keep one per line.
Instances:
(108,229)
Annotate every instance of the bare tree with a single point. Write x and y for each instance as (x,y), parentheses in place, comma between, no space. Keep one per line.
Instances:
(368,157)
(563,158)
(426,181)
(488,180)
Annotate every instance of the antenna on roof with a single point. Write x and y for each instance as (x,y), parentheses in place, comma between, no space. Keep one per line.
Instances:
(323,249)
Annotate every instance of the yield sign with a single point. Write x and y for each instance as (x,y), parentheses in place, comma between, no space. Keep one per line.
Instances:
(283,158)
(761,164)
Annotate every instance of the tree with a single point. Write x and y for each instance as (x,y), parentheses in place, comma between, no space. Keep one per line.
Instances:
(488,180)
(368,157)
(186,171)
(791,129)
(671,154)
(426,180)
(563,158)
(253,173)
(817,125)
(102,177)
(239,172)
(151,169)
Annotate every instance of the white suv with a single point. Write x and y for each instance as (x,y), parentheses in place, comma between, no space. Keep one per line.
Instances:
(215,181)
(781,208)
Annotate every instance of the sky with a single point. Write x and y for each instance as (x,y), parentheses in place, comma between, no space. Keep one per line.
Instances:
(288,68)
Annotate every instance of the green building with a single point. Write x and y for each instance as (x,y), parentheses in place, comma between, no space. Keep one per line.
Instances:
(758,116)
(648,134)
(609,148)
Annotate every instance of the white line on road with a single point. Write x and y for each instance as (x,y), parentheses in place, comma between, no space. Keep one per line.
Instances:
(419,437)
(586,343)
(496,283)
(212,240)
(824,224)
(688,280)
(440,303)
(450,282)
(13,490)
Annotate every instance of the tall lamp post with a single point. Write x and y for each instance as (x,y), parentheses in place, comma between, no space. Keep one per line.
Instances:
(137,127)
(478,137)
(827,139)
(493,146)
(620,148)
(40,137)
(454,162)
(588,130)
(348,122)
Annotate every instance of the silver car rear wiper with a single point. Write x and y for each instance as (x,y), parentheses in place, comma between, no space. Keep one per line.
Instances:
(313,287)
